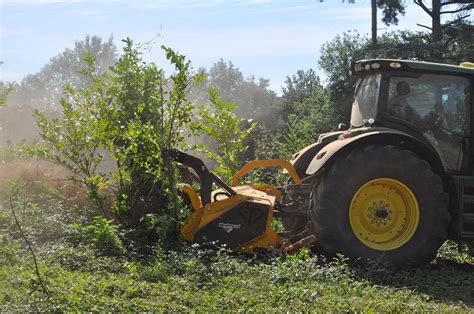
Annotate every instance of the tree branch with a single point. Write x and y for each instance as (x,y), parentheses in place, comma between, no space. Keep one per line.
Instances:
(424,7)
(424,26)
(45,289)
(454,11)
(455,2)
(453,22)
(450,41)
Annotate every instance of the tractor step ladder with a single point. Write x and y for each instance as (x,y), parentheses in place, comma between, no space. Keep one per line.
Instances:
(466,197)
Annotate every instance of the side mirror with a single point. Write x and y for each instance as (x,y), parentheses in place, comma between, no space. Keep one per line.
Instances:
(342,126)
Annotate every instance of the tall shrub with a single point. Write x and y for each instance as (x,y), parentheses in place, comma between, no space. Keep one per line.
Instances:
(135,114)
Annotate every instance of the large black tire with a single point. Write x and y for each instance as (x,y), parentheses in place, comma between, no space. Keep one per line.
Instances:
(333,197)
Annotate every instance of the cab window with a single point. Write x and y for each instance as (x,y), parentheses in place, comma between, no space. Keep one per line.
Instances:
(437,105)
(364,106)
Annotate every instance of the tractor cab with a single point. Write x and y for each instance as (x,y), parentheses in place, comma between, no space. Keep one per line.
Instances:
(428,101)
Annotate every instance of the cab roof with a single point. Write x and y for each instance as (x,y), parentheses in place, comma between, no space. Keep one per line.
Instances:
(409,65)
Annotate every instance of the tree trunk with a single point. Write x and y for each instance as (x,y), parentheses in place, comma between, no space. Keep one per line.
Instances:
(437,33)
(374,23)
(173,202)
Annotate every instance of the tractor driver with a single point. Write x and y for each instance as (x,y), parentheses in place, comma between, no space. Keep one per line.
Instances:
(399,105)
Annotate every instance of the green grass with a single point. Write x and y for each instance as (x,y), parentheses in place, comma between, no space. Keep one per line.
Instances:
(79,280)
(81,277)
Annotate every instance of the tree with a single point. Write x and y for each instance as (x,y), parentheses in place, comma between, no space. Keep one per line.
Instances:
(405,45)
(45,88)
(459,43)
(226,78)
(311,117)
(252,97)
(390,11)
(225,132)
(300,86)
(458,47)
(306,110)
(336,55)
(439,8)
(5,89)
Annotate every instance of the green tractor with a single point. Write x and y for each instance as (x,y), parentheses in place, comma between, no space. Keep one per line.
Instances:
(390,189)
(399,182)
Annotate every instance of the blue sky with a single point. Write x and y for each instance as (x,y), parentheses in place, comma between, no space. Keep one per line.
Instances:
(266,38)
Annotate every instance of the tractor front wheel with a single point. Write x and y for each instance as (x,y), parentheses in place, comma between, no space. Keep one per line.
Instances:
(381,204)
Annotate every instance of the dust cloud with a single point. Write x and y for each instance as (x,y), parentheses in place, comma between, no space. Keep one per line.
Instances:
(43,90)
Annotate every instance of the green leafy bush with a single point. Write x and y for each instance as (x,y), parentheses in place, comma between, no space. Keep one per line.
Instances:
(5,89)
(226,131)
(309,112)
(134,114)
(103,234)
(8,251)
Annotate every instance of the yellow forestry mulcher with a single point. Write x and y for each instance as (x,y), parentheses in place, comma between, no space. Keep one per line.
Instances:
(240,217)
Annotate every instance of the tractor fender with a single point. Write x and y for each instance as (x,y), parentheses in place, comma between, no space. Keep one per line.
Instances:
(302,159)
(379,136)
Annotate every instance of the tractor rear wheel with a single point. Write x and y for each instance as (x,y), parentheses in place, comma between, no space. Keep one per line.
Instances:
(381,204)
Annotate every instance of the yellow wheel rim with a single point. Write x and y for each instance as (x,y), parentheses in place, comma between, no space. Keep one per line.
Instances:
(384,214)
